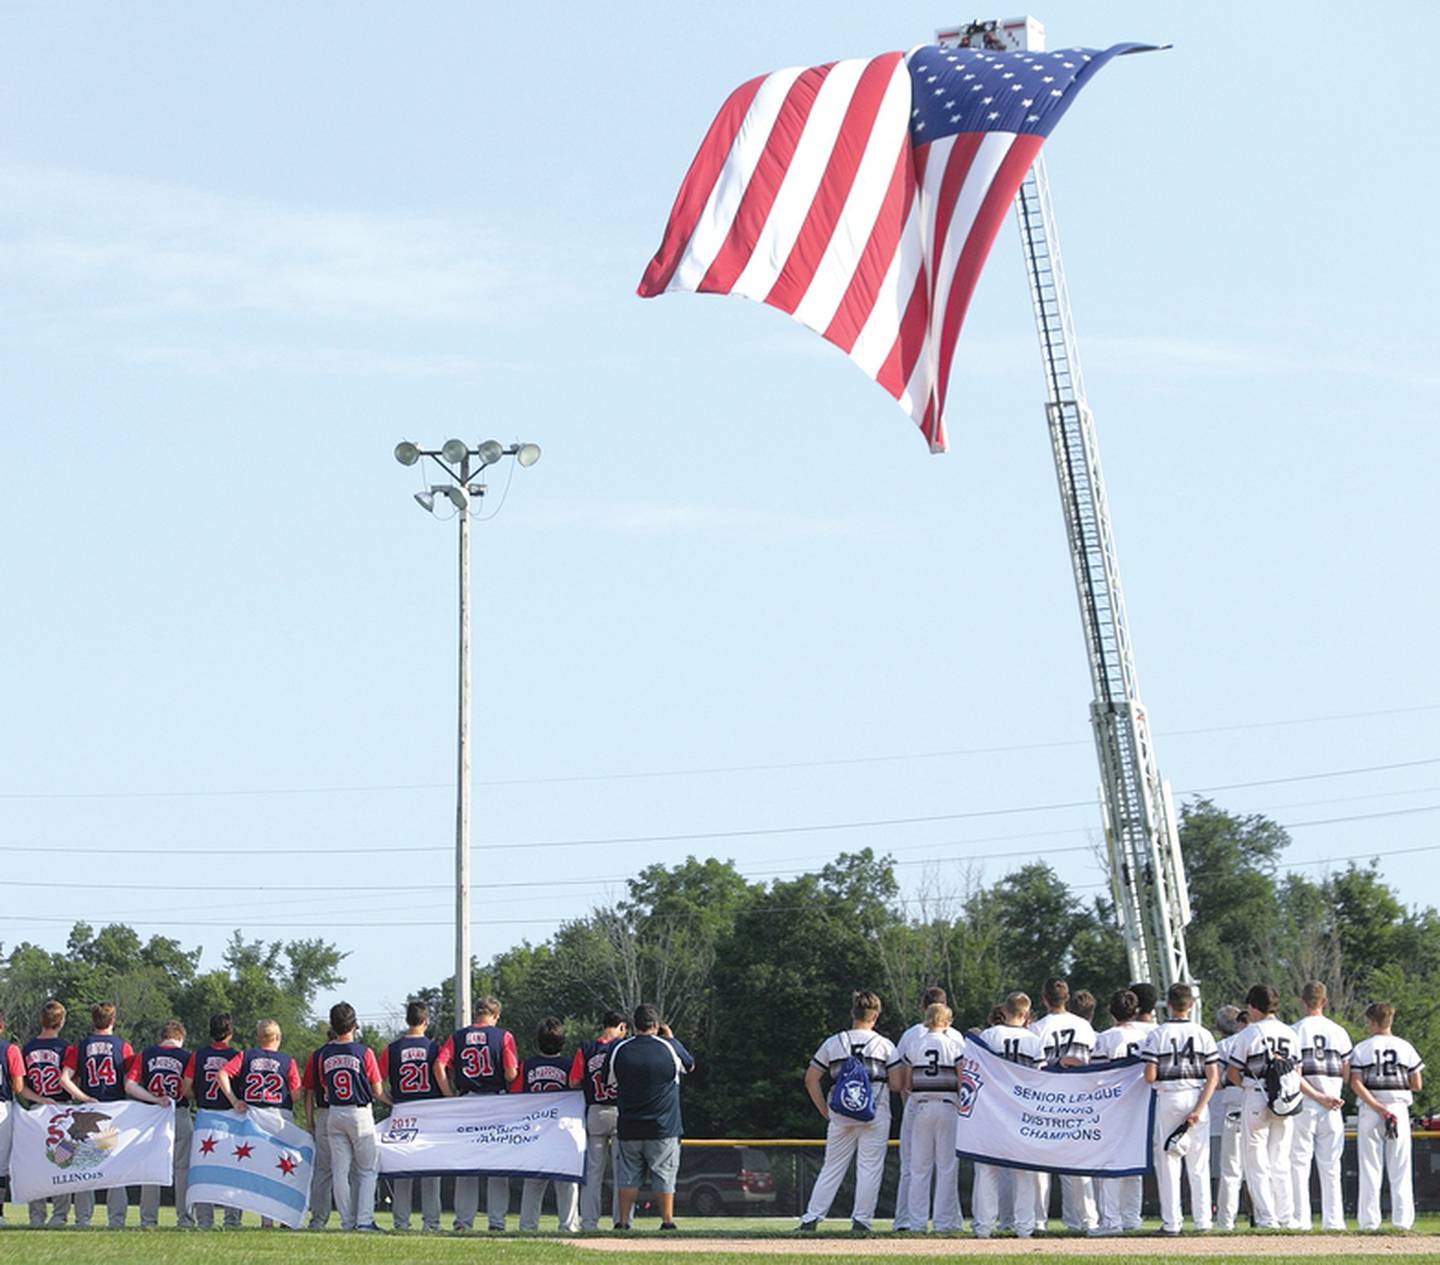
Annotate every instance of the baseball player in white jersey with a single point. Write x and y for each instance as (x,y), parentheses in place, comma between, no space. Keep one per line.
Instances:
(902,1191)
(1183,1066)
(1011,1040)
(1225,1118)
(866,1140)
(1385,1074)
(1067,1040)
(1319,1131)
(930,1081)
(1118,1199)
(1266,1135)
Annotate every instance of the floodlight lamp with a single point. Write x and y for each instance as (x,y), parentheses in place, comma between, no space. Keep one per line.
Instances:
(406,453)
(527,454)
(457,498)
(454,451)
(425,500)
(490,452)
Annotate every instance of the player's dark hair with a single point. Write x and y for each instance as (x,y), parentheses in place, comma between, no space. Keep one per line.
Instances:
(1083,1004)
(2,1018)
(647,1017)
(932,995)
(1180,996)
(550,1035)
(864,1004)
(221,1027)
(1263,998)
(102,1015)
(488,1006)
(1056,991)
(997,1016)
(1380,1013)
(1146,997)
(172,1030)
(343,1018)
(612,1019)
(52,1015)
(416,1013)
(1124,1006)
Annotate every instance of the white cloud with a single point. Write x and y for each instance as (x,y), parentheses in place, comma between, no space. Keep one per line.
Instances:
(91,247)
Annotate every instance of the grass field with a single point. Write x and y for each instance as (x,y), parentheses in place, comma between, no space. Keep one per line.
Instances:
(731,1240)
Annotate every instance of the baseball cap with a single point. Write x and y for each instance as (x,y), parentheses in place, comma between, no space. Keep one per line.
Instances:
(1227,1019)
(1178,1143)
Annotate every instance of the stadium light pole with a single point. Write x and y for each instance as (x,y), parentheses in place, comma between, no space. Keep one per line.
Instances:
(458,460)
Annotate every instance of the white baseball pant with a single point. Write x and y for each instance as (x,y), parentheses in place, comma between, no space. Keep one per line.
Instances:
(600,1123)
(1232,1169)
(932,1156)
(467,1201)
(402,1200)
(322,1179)
(993,1189)
(150,1195)
(1319,1134)
(1390,1156)
(567,1201)
(1077,1202)
(1117,1203)
(867,1141)
(354,1164)
(902,1189)
(1171,1108)
(1265,1145)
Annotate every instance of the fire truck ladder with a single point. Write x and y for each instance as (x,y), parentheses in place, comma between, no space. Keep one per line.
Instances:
(1147,875)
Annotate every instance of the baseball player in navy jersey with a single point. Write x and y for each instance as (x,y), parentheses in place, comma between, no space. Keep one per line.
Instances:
(1385,1074)
(43,1057)
(94,1071)
(408,1068)
(1183,1066)
(201,1086)
(1319,1131)
(1226,1110)
(1011,1039)
(156,1075)
(263,1076)
(545,1073)
(928,998)
(349,1075)
(930,1084)
(1266,1137)
(587,1073)
(866,1140)
(322,1184)
(1067,1040)
(1118,1199)
(480,1059)
(12,1082)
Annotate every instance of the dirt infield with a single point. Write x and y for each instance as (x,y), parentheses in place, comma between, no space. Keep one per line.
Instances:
(1227,1246)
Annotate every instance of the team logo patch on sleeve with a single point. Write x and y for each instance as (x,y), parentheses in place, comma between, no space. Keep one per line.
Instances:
(968,1084)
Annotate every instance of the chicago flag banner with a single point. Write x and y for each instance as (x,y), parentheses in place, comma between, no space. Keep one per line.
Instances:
(90,1146)
(260,1161)
(1095,1120)
(495,1135)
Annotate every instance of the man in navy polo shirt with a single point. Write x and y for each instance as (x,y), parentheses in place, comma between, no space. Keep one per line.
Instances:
(645,1070)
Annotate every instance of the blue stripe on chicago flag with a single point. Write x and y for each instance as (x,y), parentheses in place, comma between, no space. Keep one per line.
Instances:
(243,1179)
(239,1126)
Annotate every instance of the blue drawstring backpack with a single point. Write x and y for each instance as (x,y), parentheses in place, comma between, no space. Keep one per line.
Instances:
(852,1094)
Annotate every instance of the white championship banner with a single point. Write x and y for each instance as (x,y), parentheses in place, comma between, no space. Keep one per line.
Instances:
(492,1135)
(260,1161)
(1095,1121)
(59,1150)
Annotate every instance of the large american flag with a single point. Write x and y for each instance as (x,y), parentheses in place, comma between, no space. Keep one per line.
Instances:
(862,197)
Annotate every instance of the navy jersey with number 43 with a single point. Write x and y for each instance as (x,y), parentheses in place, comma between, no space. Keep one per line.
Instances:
(408,1068)
(160,1069)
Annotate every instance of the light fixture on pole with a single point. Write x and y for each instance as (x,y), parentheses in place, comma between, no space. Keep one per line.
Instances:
(459,461)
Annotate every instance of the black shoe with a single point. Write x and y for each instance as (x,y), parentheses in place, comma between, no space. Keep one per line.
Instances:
(807,1227)
(620,1227)
(859,1227)
(668,1225)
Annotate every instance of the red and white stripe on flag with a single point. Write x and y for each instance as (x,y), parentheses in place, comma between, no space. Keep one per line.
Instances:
(809,195)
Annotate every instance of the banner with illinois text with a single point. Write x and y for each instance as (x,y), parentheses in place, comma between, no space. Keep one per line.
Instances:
(260,1161)
(1095,1120)
(60,1150)
(494,1135)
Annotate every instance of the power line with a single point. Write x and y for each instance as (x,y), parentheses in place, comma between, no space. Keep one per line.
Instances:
(699,771)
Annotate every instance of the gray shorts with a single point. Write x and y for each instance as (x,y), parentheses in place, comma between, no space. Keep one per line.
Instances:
(660,1155)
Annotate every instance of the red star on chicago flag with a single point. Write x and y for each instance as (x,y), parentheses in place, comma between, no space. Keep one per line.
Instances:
(242,1152)
(286,1165)
(207,1146)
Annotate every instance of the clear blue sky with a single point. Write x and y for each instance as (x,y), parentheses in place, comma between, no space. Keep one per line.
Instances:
(244,251)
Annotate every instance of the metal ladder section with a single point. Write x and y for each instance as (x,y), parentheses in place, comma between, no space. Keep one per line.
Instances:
(1147,874)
